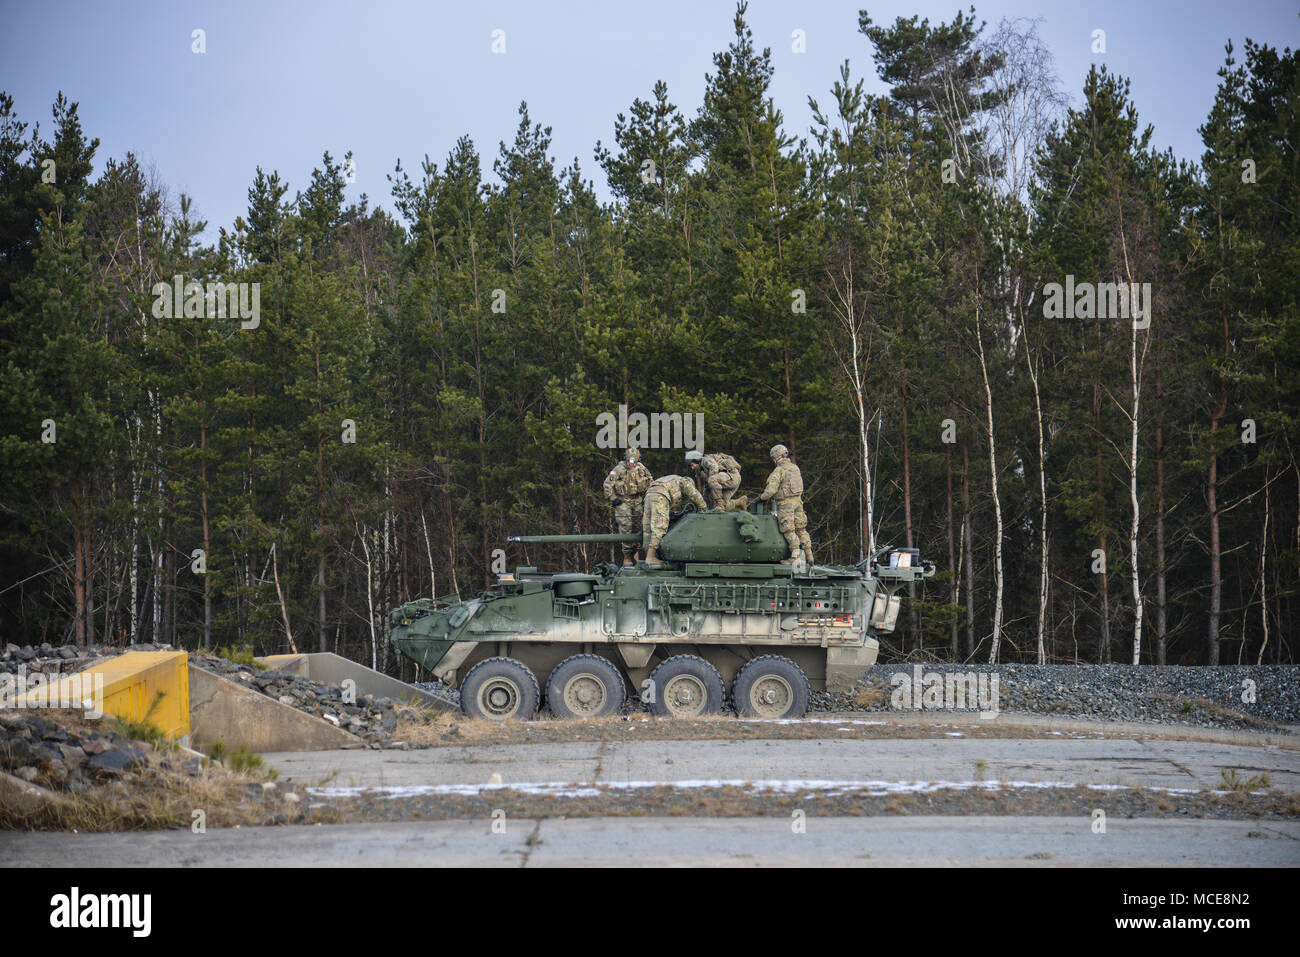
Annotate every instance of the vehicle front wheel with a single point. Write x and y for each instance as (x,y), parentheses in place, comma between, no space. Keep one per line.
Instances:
(499,689)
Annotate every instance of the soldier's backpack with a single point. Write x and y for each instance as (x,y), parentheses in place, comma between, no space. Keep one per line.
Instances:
(725,462)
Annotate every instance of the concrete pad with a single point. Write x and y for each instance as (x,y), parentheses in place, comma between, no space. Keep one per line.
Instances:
(1133,763)
(926,841)
(224,710)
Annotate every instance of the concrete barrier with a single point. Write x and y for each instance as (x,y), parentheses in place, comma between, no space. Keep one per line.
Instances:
(224,710)
(133,686)
(332,669)
(294,664)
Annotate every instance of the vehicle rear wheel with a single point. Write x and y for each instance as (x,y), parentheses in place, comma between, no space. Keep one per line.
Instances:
(686,686)
(771,687)
(499,689)
(585,686)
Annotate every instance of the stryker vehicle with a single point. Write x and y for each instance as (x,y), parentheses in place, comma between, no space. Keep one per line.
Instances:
(721,611)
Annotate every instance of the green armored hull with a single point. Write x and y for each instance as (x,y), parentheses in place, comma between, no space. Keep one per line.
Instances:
(721,611)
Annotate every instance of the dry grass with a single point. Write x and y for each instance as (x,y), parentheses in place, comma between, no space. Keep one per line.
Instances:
(866,697)
(1230,780)
(152,798)
(162,794)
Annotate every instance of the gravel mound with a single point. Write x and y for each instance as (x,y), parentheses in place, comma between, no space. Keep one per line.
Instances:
(64,659)
(441,691)
(38,749)
(1227,696)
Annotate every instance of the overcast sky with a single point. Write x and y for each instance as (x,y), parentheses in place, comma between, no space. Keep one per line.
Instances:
(280,83)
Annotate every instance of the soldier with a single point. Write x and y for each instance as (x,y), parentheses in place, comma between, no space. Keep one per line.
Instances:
(785,488)
(625,486)
(721,474)
(665,496)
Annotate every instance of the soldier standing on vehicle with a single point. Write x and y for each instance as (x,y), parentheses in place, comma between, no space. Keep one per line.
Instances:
(785,489)
(666,495)
(721,474)
(625,487)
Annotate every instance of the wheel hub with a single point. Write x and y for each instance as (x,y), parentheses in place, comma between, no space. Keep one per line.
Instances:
(771,695)
(584,694)
(499,697)
(685,694)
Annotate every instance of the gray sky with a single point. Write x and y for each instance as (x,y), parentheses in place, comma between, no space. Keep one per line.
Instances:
(280,83)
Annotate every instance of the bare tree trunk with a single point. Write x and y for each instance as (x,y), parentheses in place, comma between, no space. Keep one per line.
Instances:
(1043,578)
(88,564)
(997,503)
(320,582)
(1216,574)
(1160,513)
(135,550)
(845,308)
(1134,527)
(207,537)
(952,563)
(1263,581)
(1135,382)
(913,614)
(428,549)
(969,546)
(284,611)
(79,566)
(1103,652)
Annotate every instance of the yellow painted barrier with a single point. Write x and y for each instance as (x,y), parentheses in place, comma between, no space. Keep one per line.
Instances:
(133,686)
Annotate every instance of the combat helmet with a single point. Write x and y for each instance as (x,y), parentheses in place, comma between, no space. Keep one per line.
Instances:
(695,455)
(633,455)
(779,452)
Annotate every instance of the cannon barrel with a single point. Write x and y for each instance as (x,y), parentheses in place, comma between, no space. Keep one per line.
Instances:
(576,539)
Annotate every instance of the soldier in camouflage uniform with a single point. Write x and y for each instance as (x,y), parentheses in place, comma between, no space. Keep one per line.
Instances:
(721,474)
(665,496)
(625,487)
(785,489)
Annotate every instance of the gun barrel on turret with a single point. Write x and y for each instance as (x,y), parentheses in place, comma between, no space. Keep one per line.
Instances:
(577,539)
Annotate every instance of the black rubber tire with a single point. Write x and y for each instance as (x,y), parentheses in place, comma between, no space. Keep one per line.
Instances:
(715,692)
(603,669)
(505,670)
(775,665)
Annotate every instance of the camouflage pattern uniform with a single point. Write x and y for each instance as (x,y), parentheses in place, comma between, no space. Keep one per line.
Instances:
(721,474)
(785,489)
(625,487)
(667,495)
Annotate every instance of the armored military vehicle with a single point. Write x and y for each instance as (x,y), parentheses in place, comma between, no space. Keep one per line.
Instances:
(722,610)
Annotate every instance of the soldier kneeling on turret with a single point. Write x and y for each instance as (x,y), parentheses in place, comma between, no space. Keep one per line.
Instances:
(721,475)
(665,496)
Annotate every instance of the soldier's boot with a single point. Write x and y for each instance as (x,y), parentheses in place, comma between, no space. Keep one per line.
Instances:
(741,503)
(807,554)
(795,557)
(651,558)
